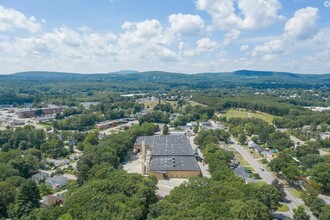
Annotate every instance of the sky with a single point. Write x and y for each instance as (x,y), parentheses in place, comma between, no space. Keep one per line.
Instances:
(186,36)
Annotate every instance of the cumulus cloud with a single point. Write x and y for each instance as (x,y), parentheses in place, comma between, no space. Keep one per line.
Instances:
(232,35)
(186,24)
(206,44)
(302,25)
(61,42)
(269,50)
(146,40)
(203,45)
(11,19)
(251,13)
(244,47)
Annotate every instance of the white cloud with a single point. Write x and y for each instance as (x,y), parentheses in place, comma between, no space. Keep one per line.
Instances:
(232,35)
(206,44)
(203,45)
(269,50)
(146,40)
(186,24)
(167,55)
(11,19)
(302,25)
(259,13)
(322,38)
(61,43)
(252,13)
(244,47)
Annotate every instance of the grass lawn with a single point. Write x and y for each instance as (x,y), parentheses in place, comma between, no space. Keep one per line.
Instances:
(150,104)
(283,208)
(241,160)
(44,125)
(261,183)
(193,103)
(95,130)
(297,193)
(255,154)
(242,113)
(249,168)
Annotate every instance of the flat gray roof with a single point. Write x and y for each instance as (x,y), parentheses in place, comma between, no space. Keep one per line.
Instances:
(149,140)
(172,145)
(170,152)
(165,163)
(176,145)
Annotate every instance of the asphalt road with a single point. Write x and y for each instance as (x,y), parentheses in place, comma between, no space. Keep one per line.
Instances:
(268,177)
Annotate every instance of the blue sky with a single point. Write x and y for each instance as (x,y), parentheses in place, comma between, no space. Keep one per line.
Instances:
(187,36)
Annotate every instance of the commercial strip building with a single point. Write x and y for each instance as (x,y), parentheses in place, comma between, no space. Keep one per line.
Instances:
(167,156)
(29,113)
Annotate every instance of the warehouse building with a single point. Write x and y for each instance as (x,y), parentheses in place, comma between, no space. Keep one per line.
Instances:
(167,156)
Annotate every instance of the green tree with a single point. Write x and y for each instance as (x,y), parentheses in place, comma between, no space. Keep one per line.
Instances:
(27,199)
(242,138)
(7,196)
(325,214)
(92,139)
(45,189)
(321,174)
(165,130)
(323,127)
(65,217)
(27,165)
(300,214)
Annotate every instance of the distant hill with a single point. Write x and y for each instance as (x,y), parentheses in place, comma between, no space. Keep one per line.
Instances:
(125,72)
(263,73)
(44,74)
(249,78)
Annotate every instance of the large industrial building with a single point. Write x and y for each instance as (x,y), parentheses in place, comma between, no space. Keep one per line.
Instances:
(167,156)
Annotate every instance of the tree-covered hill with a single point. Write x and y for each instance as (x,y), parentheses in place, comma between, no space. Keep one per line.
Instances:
(200,80)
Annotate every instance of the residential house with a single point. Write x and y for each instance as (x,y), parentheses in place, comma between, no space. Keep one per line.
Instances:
(205,125)
(52,200)
(56,181)
(40,177)
(260,150)
(251,144)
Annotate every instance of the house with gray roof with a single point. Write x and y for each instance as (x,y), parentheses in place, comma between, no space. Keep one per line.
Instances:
(39,177)
(57,181)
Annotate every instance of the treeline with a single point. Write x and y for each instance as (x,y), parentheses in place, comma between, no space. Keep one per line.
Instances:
(155,116)
(109,194)
(12,98)
(211,136)
(268,105)
(300,119)
(166,107)
(78,122)
(22,138)
(194,113)
(112,149)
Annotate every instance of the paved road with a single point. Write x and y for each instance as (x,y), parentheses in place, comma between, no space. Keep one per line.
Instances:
(268,177)
(203,166)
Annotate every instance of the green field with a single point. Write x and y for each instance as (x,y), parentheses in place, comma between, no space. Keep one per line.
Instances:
(241,113)
(283,208)
(297,193)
